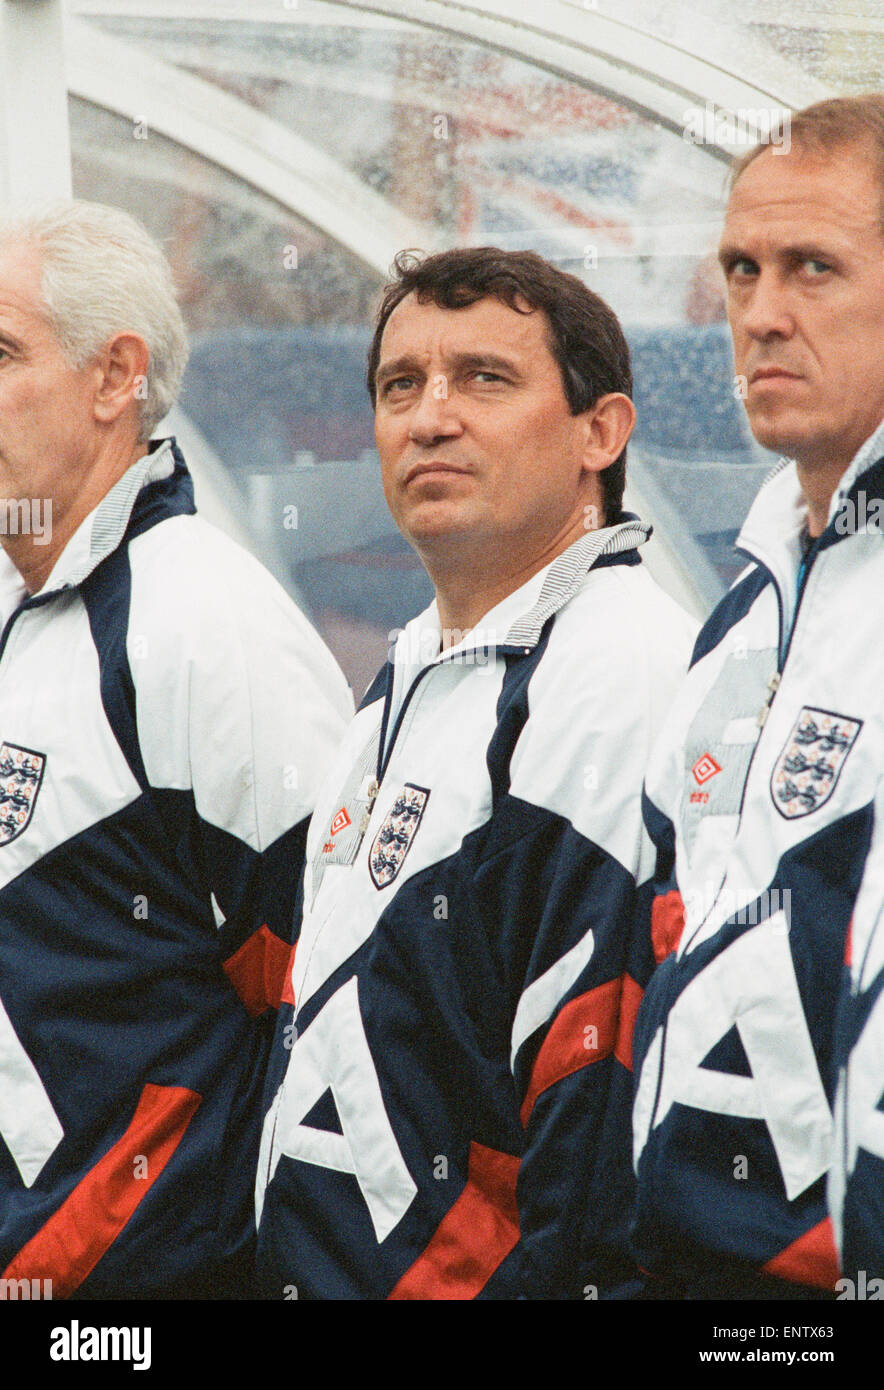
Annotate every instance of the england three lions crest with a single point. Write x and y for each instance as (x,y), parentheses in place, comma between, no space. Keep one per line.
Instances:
(21,773)
(806,771)
(393,840)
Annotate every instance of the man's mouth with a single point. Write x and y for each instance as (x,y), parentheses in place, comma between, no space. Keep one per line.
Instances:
(772,374)
(433,466)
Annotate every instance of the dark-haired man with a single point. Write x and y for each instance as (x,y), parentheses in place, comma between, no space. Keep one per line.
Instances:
(449,1113)
(765,797)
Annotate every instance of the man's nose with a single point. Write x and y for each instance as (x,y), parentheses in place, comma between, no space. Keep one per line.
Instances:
(435,415)
(768,312)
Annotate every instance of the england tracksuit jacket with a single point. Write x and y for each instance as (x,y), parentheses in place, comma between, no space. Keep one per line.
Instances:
(450,1085)
(764,799)
(856,1181)
(165,715)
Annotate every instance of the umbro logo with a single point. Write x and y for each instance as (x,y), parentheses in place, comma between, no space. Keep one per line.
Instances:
(704,768)
(340,821)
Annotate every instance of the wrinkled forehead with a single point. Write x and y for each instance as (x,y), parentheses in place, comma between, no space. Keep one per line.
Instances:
(21,277)
(808,187)
(423,328)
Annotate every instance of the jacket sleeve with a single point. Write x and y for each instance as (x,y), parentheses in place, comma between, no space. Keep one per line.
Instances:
(573,981)
(559,887)
(240,710)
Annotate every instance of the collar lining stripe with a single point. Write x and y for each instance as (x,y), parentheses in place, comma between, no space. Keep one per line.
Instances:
(115,508)
(567,571)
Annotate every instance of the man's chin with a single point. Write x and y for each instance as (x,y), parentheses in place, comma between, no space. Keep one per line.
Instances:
(431,525)
(778,435)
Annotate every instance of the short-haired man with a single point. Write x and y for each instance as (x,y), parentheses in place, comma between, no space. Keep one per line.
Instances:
(451,1119)
(165,715)
(765,795)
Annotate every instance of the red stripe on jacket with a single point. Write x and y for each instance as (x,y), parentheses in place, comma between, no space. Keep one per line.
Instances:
(475,1235)
(68,1247)
(630,1000)
(287,996)
(257,970)
(667,923)
(585,1031)
(811,1259)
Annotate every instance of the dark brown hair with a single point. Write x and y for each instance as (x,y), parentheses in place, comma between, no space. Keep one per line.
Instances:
(585,336)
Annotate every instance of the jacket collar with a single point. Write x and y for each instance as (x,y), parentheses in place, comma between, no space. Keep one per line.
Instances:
(772,529)
(156,485)
(863,472)
(518,620)
(12,589)
(567,572)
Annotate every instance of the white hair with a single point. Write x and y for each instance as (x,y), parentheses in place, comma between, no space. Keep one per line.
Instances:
(102,274)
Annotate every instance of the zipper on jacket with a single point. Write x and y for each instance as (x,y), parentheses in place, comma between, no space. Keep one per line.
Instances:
(385,748)
(803,572)
(385,755)
(784,643)
(773,686)
(35,601)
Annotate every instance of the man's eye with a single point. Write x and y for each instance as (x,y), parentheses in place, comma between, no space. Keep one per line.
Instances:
(487,376)
(742,265)
(398,383)
(815,267)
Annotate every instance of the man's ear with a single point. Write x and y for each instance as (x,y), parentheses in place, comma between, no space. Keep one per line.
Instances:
(121,370)
(608,425)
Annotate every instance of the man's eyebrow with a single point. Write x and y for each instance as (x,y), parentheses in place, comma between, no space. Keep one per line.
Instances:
(490,361)
(811,251)
(487,361)
(729,252)
(398,366)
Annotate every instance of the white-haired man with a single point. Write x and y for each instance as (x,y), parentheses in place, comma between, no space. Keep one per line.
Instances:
(165,713)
